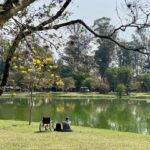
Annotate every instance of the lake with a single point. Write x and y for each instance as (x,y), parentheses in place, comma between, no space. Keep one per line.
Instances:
(120,115)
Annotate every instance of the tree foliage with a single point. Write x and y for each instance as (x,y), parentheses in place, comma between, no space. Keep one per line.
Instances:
(105,47)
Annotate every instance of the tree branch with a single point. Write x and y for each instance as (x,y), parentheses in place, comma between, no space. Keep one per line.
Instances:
(56,16)
(27,30)
(22,35)
(10,10)
(138,49)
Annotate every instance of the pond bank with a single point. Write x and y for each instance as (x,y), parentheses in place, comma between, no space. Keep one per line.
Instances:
(19,135)
(75,95)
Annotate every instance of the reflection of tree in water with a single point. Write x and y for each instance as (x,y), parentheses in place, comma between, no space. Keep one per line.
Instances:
(102,121)
(14,109)
(81,113)
(123,117)
(119,117)
(98,117)
(142,116)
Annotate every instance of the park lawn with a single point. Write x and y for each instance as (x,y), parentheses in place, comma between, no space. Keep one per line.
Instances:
(18,135)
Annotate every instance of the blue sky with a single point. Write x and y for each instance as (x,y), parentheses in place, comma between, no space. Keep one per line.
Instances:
(89,10)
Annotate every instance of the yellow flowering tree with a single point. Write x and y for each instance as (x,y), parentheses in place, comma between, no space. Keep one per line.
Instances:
(37,70)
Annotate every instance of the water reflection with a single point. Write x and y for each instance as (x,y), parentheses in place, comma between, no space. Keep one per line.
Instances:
(127,115)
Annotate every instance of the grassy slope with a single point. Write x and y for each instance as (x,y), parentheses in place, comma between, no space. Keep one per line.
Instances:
(16,135)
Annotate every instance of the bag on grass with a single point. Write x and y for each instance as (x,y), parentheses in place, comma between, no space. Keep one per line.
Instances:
(58,127)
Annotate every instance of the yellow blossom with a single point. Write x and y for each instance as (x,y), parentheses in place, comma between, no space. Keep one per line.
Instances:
(36,62)
(21,67)
(48,60)
(15,67)
(29,70)
(60,83)
(52,75)
(33,50)
(14,94)
(24,72)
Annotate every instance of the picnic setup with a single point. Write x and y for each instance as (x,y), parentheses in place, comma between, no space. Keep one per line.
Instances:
(46,124)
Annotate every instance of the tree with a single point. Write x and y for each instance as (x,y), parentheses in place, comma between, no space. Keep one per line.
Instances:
(124,57)
(23,21)
(80,79)
(112,77)
(64,71)
(69,84)
(120,90)
(122,75)
(22,29)
(34,71)
(1,66)
(105,47)
(141,63)
(76,52)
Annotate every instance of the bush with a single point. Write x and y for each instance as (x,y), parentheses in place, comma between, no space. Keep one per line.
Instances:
(103,88)
(145,82)
(120,90)
(121,75)
(136,86)
(111,76)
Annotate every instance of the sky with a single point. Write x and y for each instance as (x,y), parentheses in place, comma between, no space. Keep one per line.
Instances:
(89,10)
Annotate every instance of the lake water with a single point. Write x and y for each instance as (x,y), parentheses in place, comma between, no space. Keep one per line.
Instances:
(124,115)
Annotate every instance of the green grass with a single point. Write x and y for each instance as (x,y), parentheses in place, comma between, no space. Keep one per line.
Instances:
(75,95)
(110,96)
(17,135)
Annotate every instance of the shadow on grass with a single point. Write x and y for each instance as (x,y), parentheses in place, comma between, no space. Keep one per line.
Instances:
(43,131)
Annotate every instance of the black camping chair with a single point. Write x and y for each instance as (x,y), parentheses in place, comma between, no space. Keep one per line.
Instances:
(46,124)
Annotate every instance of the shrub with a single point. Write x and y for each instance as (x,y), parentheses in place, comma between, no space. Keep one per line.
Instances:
(120,90)
(69,83)
(121,75)
(136,86)
(104,88)
(145,82)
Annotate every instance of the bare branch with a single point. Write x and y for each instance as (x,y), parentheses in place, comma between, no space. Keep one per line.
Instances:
(139,49)
(57,15)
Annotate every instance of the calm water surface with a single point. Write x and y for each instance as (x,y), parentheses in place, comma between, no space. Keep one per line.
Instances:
(124,115)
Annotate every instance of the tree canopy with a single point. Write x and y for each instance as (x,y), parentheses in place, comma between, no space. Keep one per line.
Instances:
(22,24)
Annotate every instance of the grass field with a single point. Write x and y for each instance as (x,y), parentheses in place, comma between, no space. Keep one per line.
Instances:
(75,95)
(97,95)
(17,135)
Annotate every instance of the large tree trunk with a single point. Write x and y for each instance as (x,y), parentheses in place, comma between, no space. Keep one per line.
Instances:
(10,9)
(8,62)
